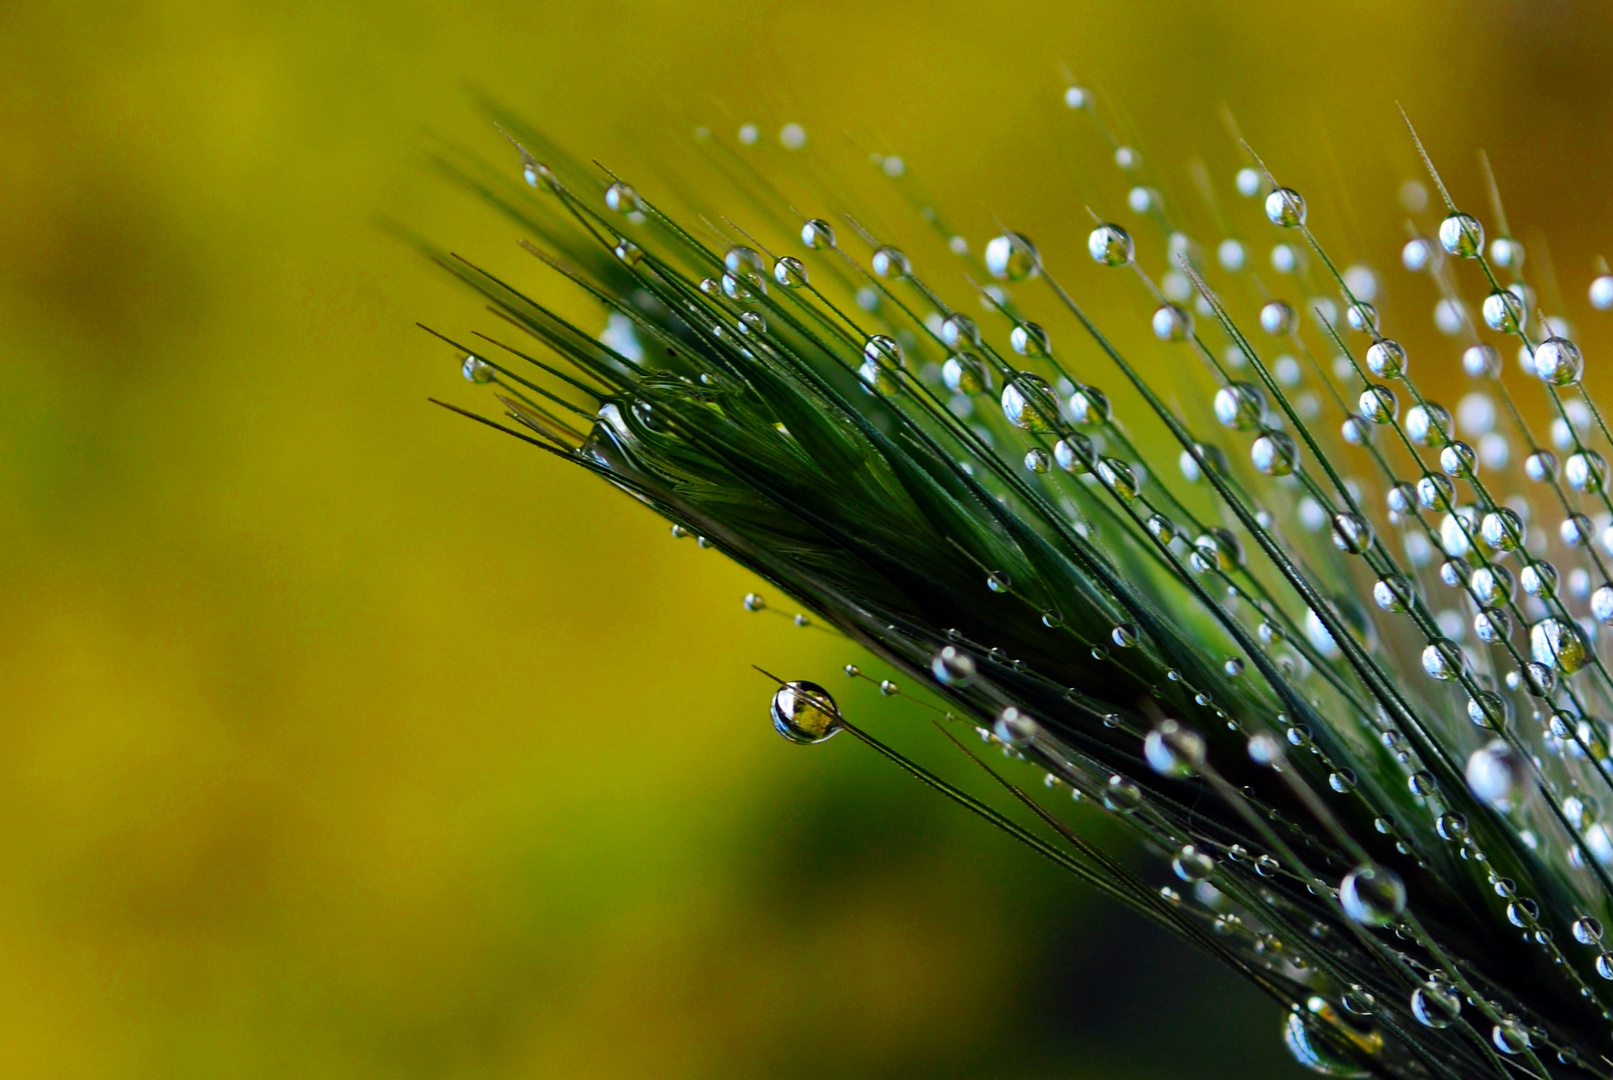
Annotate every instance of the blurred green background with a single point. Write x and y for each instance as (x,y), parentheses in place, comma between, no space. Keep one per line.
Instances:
(341,739)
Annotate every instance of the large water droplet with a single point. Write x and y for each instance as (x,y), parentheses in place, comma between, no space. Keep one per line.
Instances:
(1121,795)
(952,666)
(818,234)
(1174,750)
(1029,402)
(790,272)
(1011,257)
(478,370)
(1110,245)
(1285,207)
(1510,1036)
(1495,774)
(1386,359)
(1239,406)
(1275,453)
(1372,895)
(1462,235)
(623,199)
(1191,864)
(1324,1042)
(1434,1006)
(804,712)
(1586,471)
(1559,644)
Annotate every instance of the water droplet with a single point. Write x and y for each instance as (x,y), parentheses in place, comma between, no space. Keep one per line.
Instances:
(1118,477)
(1173,750)
(1052,618)
(1459,459)
(1352,534)
(1015,728)
(1239,406)
(1172,323)
(1586,471)
(1386,359)
(1192,865)
(818,234)
(790,272)
(1029,339)
(754,602)
(1435,492)
(1494,773)
(1277,318)
(1231,255)
(1559,644)
(1029,403)
(1428,424)
(1121,795)
(1558,361)
(1362,317)
(1322,1041)
(1462,235)
(1342,781)
(1011,257)
(1110,245)
(1233,666)
(1372,895)
(1539,579)
(1125,635)
(1601,292)
(998,582)
(959,331)
(1378,404)
(1077,97)
(804,712)
(1074,455)
(1422,783)
(1434,1006)
(965,373)
(888,688)
(1285,207)
(1510,1037)
(1482,361)
(1540,466)
(1393,593)
(1452,826)
(623,199)
(1037,460)
(1275,453)
(478,370)
(628,252)
(1503,311)
(1587,930)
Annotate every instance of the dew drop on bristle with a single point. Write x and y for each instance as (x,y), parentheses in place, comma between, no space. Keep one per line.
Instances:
(1462,235)
(1386,359)
(1285,207)
(1121,795)
(477,370)
(1029,403)
(804,712)
(1558,361)
(1434,1006)
(1192,865)
(1011,257)
(1494,773)
(818,234)
(790,272)
(623,199)
(1372,895)
(1109,245)
(1174,750)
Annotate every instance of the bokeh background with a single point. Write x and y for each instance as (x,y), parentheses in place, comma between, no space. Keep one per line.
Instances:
(340,739)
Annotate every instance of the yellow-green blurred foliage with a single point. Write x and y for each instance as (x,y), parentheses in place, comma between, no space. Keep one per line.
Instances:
(339,738)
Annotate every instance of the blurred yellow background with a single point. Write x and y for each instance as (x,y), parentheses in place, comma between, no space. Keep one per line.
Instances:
(341,739)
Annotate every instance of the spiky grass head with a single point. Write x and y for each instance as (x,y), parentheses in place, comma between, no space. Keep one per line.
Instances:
(1328,647)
